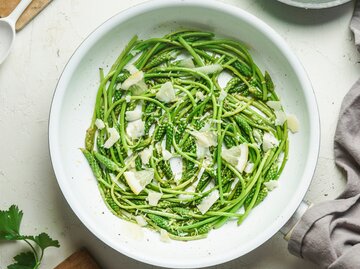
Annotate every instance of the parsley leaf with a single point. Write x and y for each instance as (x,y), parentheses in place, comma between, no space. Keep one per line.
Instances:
(10,223)
(25,260)
(10,230)
(44,241)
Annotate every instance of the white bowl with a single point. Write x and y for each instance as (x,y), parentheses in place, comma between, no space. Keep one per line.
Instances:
(314,4)
(72,109)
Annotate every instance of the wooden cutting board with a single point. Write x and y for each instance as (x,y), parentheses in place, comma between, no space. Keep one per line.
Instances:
(81,259)
(36,6)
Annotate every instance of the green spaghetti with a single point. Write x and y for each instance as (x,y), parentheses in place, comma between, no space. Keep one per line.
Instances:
(187,133)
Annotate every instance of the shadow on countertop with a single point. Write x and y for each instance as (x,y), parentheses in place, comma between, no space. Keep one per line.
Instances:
(301,16)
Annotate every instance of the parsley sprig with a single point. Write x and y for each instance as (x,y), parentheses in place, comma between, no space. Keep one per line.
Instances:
(10,221)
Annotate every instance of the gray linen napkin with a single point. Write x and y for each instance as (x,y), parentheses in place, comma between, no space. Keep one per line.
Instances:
(328,234)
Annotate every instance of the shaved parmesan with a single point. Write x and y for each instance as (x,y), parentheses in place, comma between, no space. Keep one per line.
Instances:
(257,136)
(281,157)
(242,160)
(207,162)
(201,152)
(208,201)
(99,124)
(128,99)
(236,156)
(269,141)
(233,184)
(206,127)
(135,114)
(166,93)
(187,62)
(137,180)
(249,168)
(275,105)
(113,138)
(164,236)
(205,139)
(222,95)
(131,68)
(132,80)
(224,78)
(199,95)
(280,117)
(231,155)
(152,130)
(209,69)
(271,184)
(201,172)
(176,167)
(153,198)
(135,129)
(146,154)
(293,123)
(139,88)
(166,154)
(158,147)
(141,220)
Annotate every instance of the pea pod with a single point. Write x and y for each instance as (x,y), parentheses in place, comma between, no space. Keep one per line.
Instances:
(160,133)
(92,163)
(160,221)
(169,136)
(109,164)
(90,137)
(269,83)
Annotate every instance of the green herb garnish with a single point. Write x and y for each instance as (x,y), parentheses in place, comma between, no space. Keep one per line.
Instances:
(10,221)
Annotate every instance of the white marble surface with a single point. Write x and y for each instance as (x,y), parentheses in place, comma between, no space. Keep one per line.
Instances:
(321,39)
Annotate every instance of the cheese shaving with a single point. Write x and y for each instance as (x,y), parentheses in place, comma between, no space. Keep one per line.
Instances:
(113,138)
(99,124)
(199,95)
(132,80)
(236,156)
(293,123)
(135,114)
(146,154)
(164,236)
(209,69)
(166,93)
(135,129)
(269,141)
(137,180)
(271,184)
(208,201)
(280,117)
(153,198)
(275,105)
(206,138)
(141,221)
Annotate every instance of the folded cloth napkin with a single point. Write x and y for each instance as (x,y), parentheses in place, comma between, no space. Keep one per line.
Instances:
(328,234)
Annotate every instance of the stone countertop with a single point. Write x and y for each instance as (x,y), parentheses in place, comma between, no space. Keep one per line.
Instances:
(320,38)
